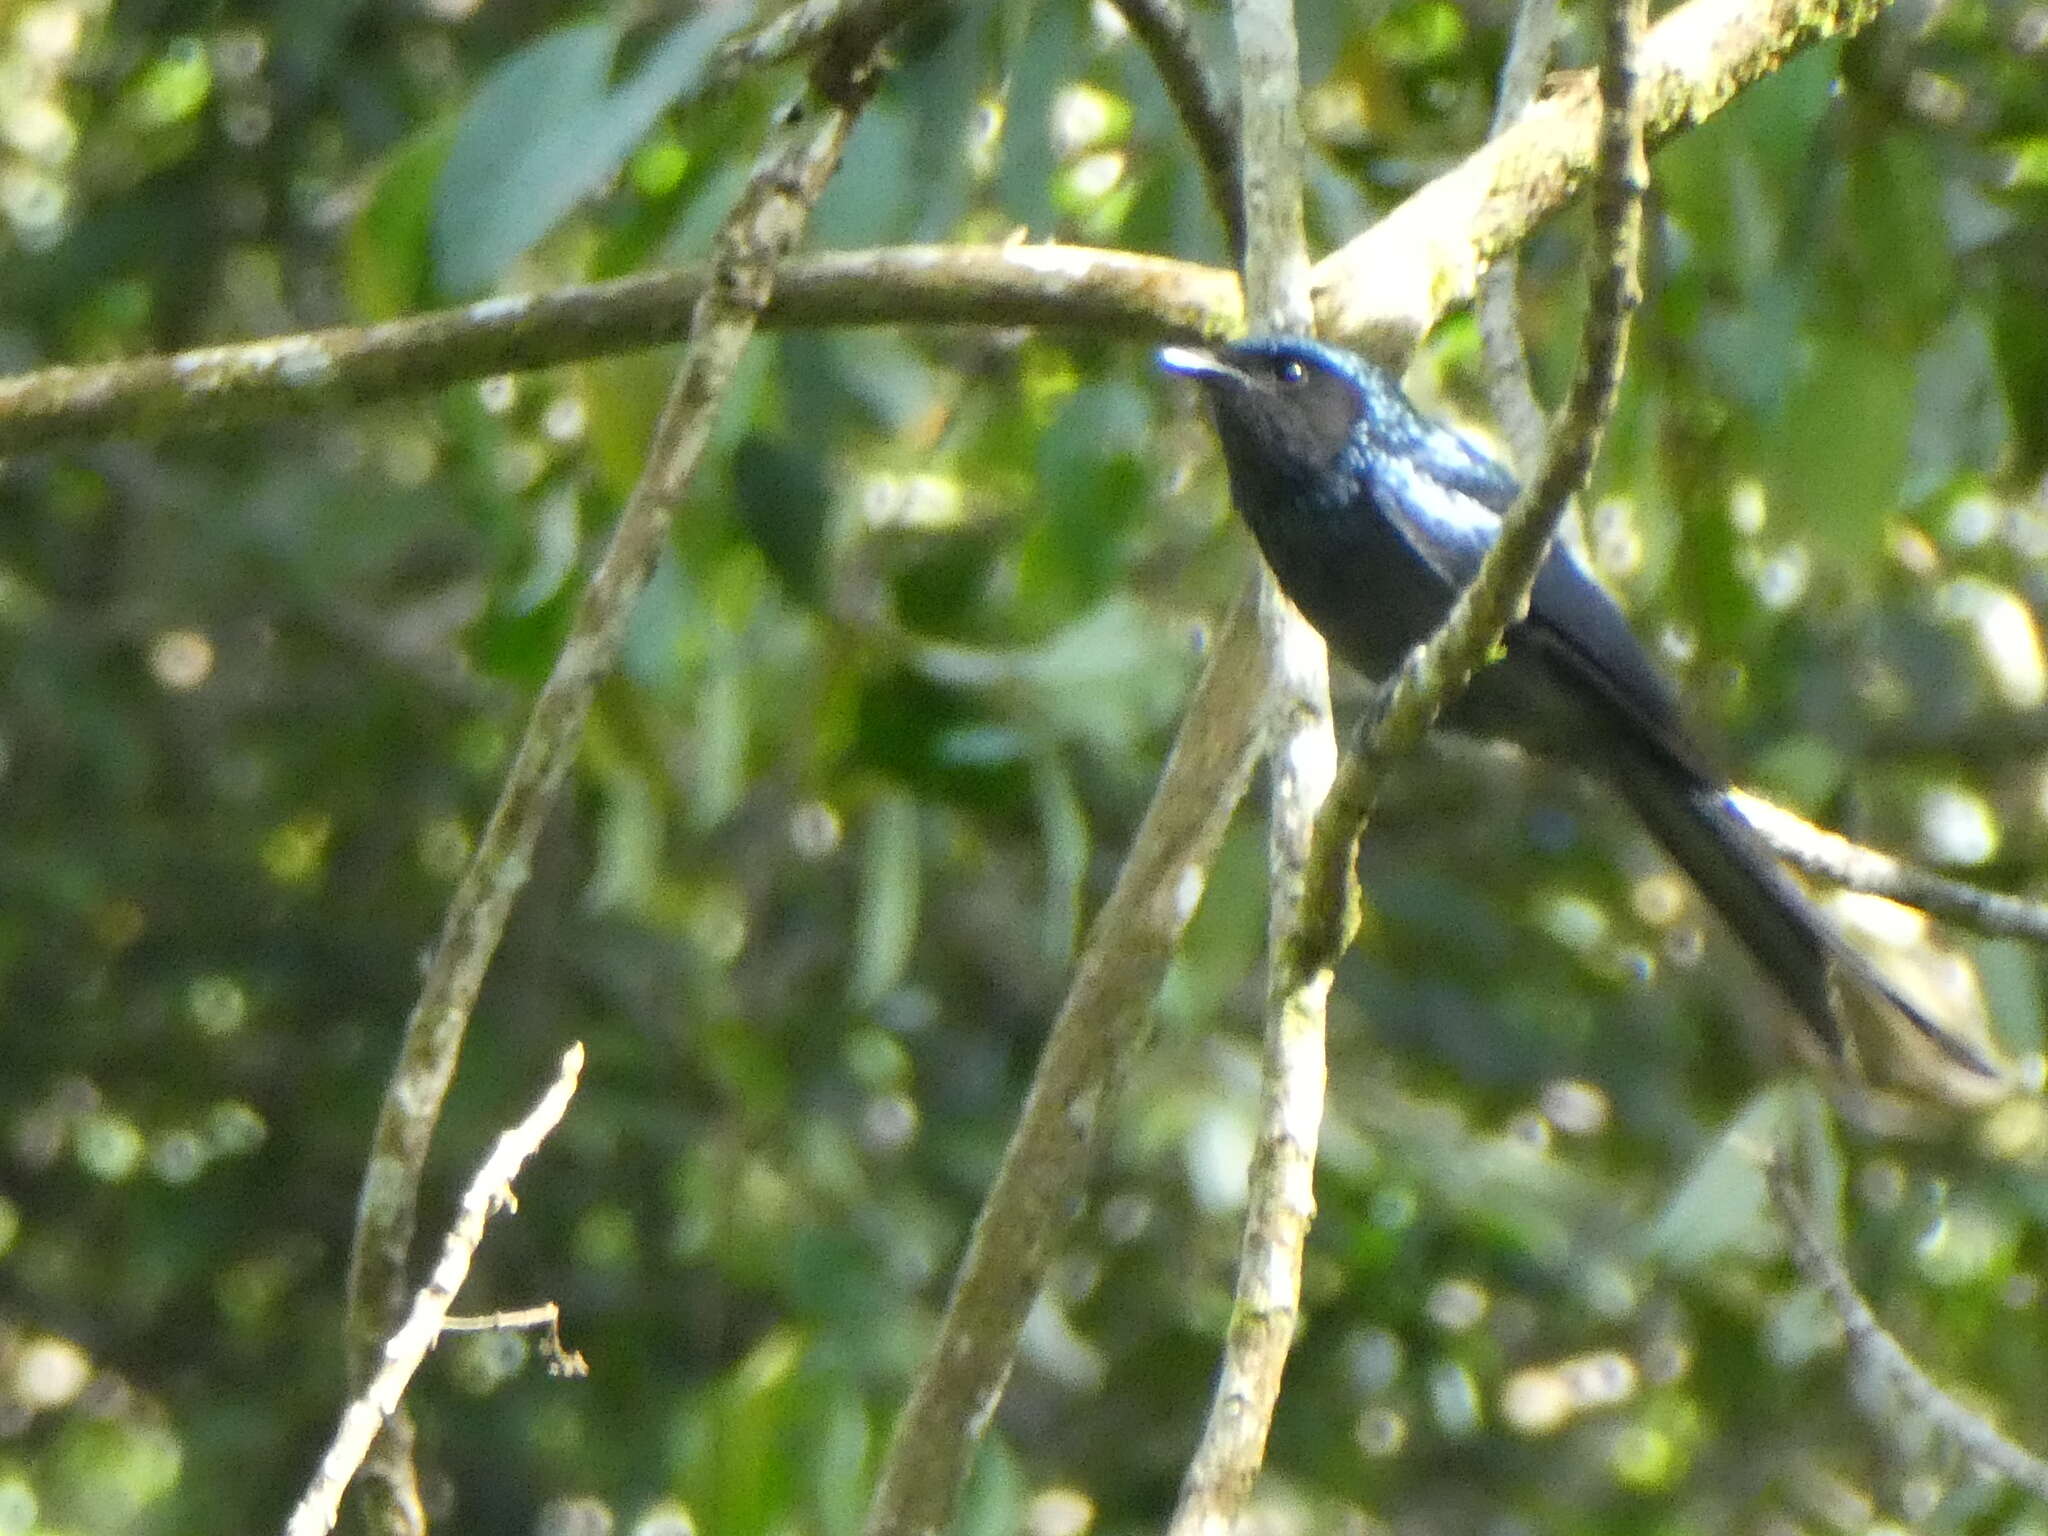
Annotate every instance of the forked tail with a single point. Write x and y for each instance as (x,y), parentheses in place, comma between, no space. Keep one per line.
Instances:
(1820,972)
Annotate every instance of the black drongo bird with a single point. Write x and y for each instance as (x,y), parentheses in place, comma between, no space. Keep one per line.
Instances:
(1374,517)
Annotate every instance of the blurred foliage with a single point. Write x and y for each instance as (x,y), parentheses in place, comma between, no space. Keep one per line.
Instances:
(888,715)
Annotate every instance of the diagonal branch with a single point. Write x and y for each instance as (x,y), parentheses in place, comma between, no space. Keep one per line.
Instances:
(1281,1188)
(763,224)
(1092,1041)
(1830,856)
(1388,286)
(1873,1345)
(1434,672)
(400,1355)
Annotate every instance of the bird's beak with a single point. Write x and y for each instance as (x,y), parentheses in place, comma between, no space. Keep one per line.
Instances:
(1199,363)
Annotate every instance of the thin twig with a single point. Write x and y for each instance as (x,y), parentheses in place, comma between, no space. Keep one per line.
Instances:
(489,1193)
(1875,1348)
(506,1320)
(547,1316)
(1097,1033)
(1497,304)
(1434,672)
(764,222)
(1830,856)
(1207,114)
(1383,290)
(1281,1189)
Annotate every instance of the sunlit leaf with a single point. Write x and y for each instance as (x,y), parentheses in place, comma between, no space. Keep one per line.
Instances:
(386,259)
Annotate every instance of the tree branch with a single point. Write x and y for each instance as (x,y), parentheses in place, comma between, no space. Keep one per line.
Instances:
(489,1193)
(1207,113)
(1383,290)
(795,30)
(1386,288)
(1096,1034)
(1281,1189)
(1434,672)
(1044,285)
(764,222)
(1830,856)
(1872,1345)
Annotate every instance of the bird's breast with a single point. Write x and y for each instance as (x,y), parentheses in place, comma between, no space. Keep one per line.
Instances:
(1362,585)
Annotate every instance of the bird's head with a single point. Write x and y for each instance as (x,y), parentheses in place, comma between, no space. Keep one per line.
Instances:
(1285,407)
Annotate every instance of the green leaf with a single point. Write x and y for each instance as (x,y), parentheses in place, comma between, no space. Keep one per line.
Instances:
(629,843)
(1733,185)
(545,130)
(1063,823)
(866,202)
(994,1500)
(623,395)
(386,261)
(943,83)
(839,1464)
(1836,460)
(1040,63)
(310,35)
(1111,676)
(1781,115)
(755,1465)
(1800,769)
(2012,991)
(2021,343)
(785,503)
(1091,494)
(891,880)
(1960,422)
(1420,33)
(1751,349)
(1909,279)
(1722,1209)
(724,719)
(933,737)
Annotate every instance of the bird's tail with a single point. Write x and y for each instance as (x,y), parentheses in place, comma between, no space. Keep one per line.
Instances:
(1836,989)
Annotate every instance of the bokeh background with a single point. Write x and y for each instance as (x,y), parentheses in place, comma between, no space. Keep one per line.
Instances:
(888,714)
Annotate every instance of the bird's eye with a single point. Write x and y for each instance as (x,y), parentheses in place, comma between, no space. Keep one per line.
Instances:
(1292,371)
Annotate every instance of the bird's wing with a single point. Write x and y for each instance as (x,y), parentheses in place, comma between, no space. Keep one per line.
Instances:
(1464,467)
(1578,627)
(1449,513)
(1446,524)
